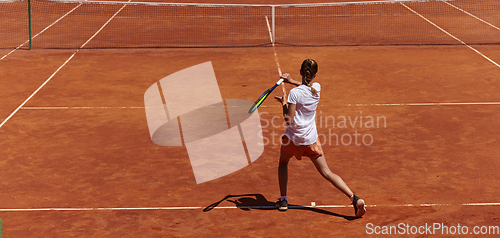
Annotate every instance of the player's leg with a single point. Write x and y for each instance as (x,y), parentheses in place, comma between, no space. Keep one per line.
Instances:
(283,173)
(283,180)
(324,170)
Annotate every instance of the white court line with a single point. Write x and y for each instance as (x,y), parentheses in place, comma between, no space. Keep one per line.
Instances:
(36,91)
(105,24)
(347,105)
(81,108)
(64,64)
(466,12)
(5,56)
(70,108)
(426,104)
(274,49)
(231,207)
(449,34)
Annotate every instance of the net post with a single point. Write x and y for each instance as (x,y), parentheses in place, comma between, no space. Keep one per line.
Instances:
(29,21)
(273,24)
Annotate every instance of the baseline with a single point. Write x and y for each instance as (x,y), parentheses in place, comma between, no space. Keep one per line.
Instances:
(230,207)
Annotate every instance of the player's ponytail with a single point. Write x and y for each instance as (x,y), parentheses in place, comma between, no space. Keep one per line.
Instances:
(308,70)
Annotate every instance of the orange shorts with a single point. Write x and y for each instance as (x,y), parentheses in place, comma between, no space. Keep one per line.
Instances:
(312,151)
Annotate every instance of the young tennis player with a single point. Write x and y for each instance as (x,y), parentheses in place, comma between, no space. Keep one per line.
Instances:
(301,135)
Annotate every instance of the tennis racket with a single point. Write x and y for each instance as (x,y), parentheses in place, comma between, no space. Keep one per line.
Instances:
(263,97)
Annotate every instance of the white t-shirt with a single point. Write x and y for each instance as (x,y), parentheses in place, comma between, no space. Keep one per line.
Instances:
(303,130)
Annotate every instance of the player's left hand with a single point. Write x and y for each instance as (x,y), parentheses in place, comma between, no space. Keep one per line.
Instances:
(282,100)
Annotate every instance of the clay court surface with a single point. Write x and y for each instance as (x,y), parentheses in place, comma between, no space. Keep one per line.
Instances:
(77,159)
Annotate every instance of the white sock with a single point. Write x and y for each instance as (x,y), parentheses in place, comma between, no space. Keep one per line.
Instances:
(352,198)
(283,198)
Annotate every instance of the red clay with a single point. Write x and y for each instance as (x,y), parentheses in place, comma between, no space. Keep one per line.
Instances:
(103,157)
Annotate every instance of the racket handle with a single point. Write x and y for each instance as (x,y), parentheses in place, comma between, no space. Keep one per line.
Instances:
(279,81)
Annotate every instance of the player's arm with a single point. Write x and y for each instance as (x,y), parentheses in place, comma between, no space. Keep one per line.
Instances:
(289,113)
(288,109)
(287,79)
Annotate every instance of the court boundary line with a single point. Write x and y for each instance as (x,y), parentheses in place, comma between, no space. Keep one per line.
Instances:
(472,15)
(272,38)
(449,34)
(428,104)
(232,207)
(347,105)
(60,67)
(37,90)
(274,47)
(102,27)
(46,28)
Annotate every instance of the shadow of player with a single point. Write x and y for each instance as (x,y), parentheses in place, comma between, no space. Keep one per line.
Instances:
(249,202)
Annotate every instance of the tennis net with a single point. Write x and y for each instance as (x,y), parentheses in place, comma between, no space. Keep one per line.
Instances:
(13,23)
(70,24)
